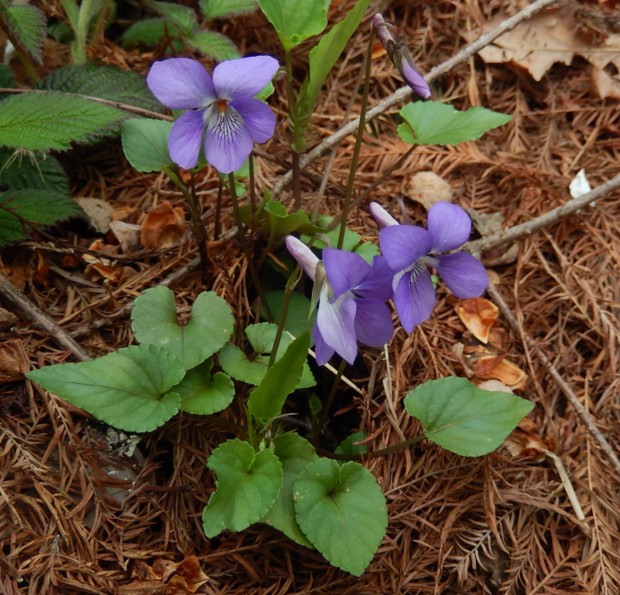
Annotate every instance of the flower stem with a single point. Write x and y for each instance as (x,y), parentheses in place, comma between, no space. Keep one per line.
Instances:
(246,247)
(358,142)
(328,403)
(293,115)
(373,454)
(218,211)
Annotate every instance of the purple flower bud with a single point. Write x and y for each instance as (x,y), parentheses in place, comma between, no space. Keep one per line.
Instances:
(401,57)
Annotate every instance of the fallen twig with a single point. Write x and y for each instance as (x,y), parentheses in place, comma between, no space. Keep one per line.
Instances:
(28,310)
(404,92)
(525,229)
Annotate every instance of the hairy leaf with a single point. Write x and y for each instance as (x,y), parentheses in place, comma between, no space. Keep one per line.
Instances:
(213,44)
(182,16)
(128,389)
(32,171)
(146,32)
(247,485)
(463,418)
(105,82)
(216,9)
(53,120)
(342,511)
(27,24)
(154,320)
(436,123)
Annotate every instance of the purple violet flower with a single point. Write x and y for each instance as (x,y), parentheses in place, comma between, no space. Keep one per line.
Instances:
(221,108)
(410,250)
(400,56)
(352,296)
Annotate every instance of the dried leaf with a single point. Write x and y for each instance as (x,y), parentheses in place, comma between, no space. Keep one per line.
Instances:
(478,315)
(427,188)
(163,227)
(14,362)
(98,212)
(487,365)
(7,319)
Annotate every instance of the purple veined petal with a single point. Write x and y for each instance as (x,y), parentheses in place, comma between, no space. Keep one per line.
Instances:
(414,79)
(414,298)
(449,225)
(228,142)
(305,258)
(186,138)
(463,273)
(373,322)
(402,245)
(258,117)
(243,77)
(345,270)
(381,216)
(322,350)
(378,284)
(336,321)
(181,83)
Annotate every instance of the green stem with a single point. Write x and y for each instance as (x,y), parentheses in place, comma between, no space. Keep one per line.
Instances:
(358,142)
(373,454)
(218,211)
(292,110)
(290,285)
(245,246)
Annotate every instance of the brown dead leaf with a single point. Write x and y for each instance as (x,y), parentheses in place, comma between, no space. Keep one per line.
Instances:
(163,227)
(550,37)
(486,365)
(7,319)
(165,577)
(99,212)
(14,362)
(478,315)
(427,188)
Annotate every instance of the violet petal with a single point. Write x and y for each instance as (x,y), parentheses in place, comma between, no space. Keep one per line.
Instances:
(305,258)
(402,245)
(378,284)
(381,216)
(336,321)
(322,350)
(449,225)
(373,322)
(414,298)
(463,273)
(258,117)
(243,76)
(180,83)
(228,142)
(185,139)
(345,270)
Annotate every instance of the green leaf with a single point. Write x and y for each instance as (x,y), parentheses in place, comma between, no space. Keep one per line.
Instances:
(342,511)
(182,16)
(252,370)
(266,401)
(24,209)
(7,79)
(348,446)
(52,120)
(216,9)
(145,143)
(27,24)
(300,318)
(204,394)
(435,123)
(105,82)
(463,418)
(32,171)
(213,44)
(146,32)
(321,60)
(247,485)
(154,320)
(295,20)
(128,389)
(295,453)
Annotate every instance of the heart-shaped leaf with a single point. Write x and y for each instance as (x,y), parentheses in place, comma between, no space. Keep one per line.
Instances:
(210,325)
(463,418)
(342,511)
(247,485)
(145,143)
(436,123)
(128,389)
(252,370)
(203,394)
(295,453)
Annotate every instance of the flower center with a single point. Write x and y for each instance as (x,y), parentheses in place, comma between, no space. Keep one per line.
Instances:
(223,120)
